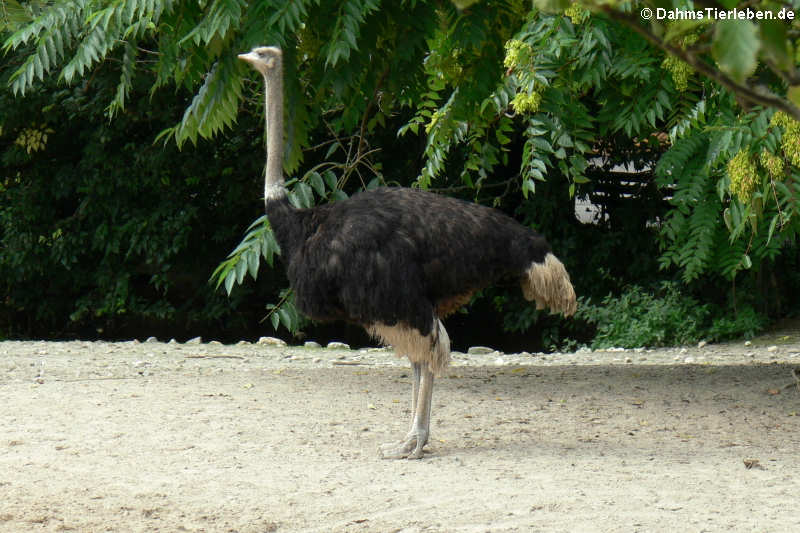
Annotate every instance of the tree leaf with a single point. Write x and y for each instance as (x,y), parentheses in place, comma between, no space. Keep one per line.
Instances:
(240,269)
(316,182)
(772,225)
(330,179)
(774,43)
(735,47)
(304,195)
(230,278)
(528,185)
(253,260)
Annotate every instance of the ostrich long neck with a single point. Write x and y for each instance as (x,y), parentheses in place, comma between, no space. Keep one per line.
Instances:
(273,181)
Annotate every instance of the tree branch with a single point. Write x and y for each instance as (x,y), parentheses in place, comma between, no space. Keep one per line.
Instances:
(368,109)
(742,90)
(456,188)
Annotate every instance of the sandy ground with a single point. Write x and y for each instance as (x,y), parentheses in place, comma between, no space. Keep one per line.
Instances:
(251,438)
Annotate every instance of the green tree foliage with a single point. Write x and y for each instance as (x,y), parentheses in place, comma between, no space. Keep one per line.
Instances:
(749,70)
(192,46)
(496,102)
(727,41)
(98,225)
(714,173)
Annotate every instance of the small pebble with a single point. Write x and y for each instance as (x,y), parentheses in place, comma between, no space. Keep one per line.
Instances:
(701,344)
(195,340)
(480,350)
(151,339)
(772,349)
(336,345)
(311,344)
(271,341)
(689,360)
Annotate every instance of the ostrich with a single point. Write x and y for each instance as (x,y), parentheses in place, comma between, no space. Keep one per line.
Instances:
(397,261)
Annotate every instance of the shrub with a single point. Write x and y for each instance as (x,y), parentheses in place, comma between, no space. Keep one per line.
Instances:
(664,316)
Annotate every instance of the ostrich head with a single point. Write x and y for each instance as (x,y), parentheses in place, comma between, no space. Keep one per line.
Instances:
(267,61)
(264,59)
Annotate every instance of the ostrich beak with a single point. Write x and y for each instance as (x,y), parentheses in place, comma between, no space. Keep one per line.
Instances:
(258,62)
(250,57)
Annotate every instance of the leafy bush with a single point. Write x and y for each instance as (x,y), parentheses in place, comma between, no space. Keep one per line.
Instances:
(666,316)
(747,322)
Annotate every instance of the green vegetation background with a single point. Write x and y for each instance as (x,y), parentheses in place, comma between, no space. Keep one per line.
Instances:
(131,145)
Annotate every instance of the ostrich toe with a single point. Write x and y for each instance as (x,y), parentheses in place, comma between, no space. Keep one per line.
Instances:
(410,448)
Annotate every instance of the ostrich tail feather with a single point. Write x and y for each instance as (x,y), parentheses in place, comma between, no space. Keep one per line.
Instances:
(549,285)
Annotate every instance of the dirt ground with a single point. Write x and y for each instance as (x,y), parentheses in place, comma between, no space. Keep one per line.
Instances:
(253,438)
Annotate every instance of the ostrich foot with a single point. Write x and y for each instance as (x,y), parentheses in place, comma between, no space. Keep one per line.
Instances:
(410,448)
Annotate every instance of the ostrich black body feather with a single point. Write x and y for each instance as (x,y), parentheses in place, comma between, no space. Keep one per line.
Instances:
(397,255)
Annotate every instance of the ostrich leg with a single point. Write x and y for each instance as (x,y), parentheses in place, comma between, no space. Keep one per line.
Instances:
(417,369)
(422,393)
(428,354)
